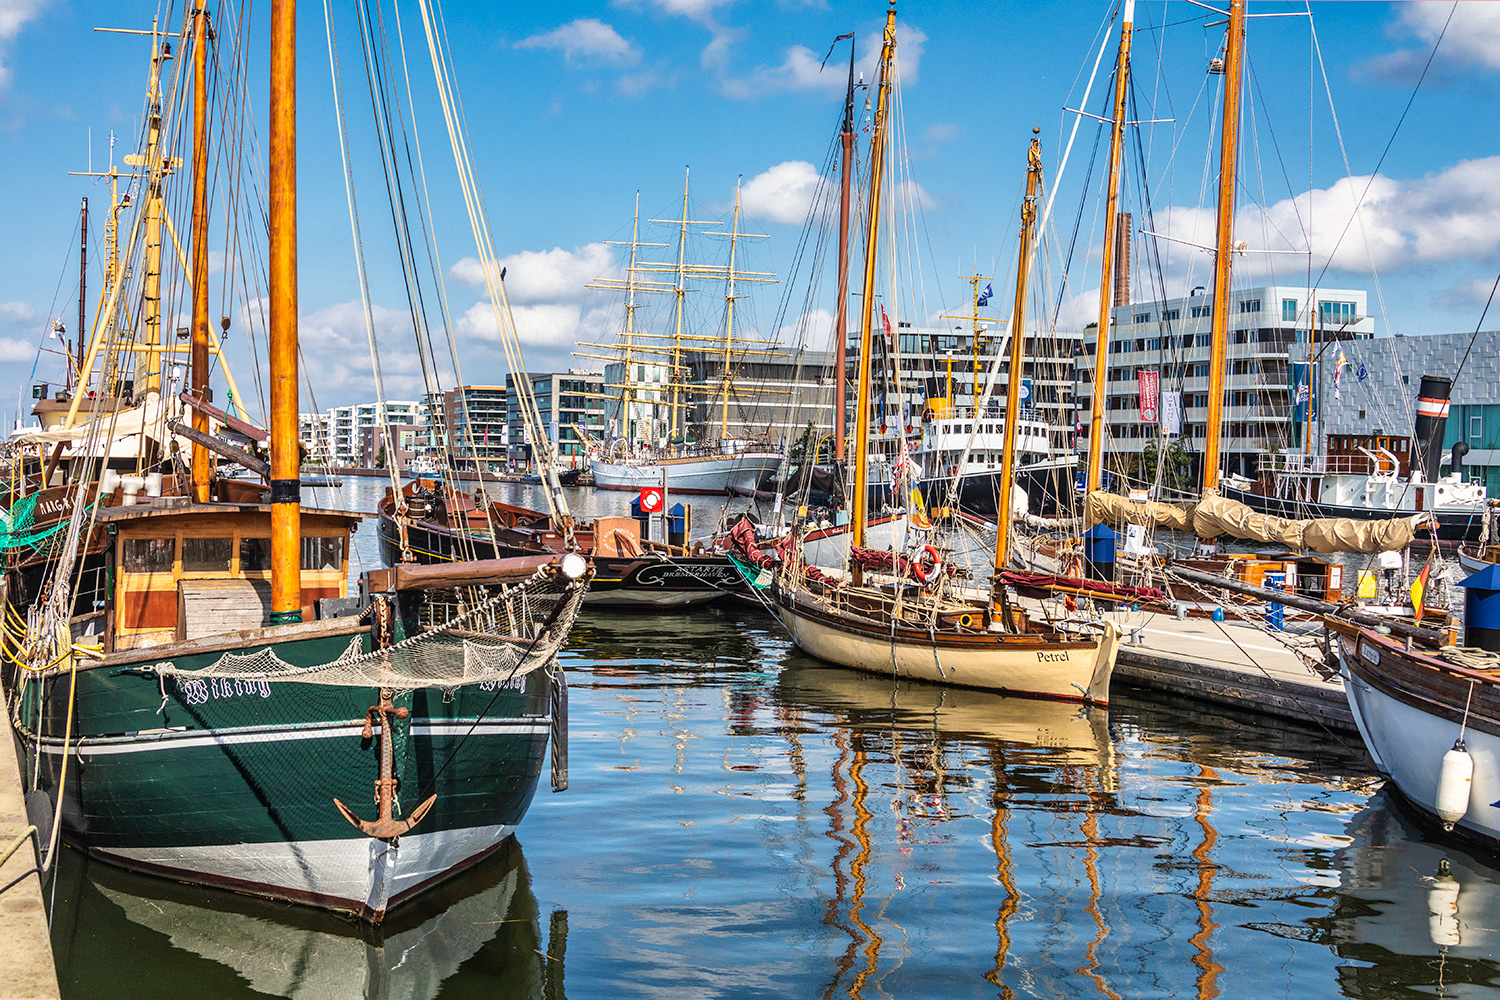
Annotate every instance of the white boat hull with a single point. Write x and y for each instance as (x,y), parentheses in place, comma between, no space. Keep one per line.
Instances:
(355,875)
(1073,671)
(712,474)
(1408,743)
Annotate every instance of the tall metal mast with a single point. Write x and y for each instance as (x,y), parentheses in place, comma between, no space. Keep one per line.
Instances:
(859,501)
(83,286)
(1017,362)
(286,486)
(841,322)
(202,461)
(1229,135)
(1106,273)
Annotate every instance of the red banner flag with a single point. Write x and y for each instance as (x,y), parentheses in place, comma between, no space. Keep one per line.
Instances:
(1148,384)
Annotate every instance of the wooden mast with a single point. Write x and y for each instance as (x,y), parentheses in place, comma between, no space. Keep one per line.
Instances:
(1229,134)
(1017,362)
(674,376)
(867,299)
(1106,271)
(841,322)
(286,486)
(83,283)
(729,296)
(198,378)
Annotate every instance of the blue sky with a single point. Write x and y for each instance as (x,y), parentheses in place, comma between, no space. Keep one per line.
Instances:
(573,109)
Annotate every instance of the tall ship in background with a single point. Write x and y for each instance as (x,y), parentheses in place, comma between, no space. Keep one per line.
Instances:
(670,428)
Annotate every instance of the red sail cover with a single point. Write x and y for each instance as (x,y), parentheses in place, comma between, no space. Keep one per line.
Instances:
(1148,384)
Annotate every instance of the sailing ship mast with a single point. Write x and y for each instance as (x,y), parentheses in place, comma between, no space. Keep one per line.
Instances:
(1106,271)
(867,299)
(1229,135)
(841,322)
(286,484)
(1017,361)
(202,463)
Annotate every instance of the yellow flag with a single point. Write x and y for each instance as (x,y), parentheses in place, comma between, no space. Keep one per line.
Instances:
(1419,589)
(917,510)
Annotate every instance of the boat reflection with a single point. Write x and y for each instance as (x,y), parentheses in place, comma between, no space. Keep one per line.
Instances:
(1415,916)
(113,927)
(921,739)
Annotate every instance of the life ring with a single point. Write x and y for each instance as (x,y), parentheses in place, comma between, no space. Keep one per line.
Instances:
(967,620)
(926,575)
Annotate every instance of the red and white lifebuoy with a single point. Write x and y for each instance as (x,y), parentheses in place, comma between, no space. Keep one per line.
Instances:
(926,574)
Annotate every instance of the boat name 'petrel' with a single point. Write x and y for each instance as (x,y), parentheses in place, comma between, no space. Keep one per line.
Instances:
(1042,657)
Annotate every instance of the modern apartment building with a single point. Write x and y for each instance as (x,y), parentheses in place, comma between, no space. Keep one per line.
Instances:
(566,402)
(348,440)
(1272,328)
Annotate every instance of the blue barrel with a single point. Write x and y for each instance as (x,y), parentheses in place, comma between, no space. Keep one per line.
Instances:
(1099,544)
(642,517)
(678,519)
(1275,613)
(1482,609)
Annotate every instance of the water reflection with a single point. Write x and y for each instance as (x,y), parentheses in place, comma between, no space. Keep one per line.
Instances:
(744,822)
(1414,917)
(116,933)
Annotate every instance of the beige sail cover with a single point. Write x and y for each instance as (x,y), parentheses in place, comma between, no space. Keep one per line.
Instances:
(1214,516)
(1112,509)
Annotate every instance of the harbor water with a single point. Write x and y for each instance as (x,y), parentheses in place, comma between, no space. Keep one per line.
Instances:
(744,822)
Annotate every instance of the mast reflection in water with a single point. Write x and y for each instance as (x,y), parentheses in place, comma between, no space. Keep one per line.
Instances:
(742,822)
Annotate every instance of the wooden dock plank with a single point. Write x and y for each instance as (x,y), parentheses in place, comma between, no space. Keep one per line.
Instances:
(26,965)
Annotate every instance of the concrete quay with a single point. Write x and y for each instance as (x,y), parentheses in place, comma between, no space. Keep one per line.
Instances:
(1232,663)
(26,964)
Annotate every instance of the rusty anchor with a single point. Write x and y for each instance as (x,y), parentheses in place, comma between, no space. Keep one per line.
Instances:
(386,827)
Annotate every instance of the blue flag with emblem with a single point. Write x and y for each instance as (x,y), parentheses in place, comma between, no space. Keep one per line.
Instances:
(984,296)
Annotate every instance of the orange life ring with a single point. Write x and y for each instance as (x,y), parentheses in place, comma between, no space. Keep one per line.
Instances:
(926,575)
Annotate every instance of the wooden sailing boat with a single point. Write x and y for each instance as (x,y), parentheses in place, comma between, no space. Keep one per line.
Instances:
(645,456)
(225,696)
(929,631)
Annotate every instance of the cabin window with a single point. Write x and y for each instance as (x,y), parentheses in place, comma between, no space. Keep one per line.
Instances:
(1476,427)
(322,553)
(206,555)
(255,555)
(150,555)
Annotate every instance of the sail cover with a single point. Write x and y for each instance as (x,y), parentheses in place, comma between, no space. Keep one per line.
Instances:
(1215,515)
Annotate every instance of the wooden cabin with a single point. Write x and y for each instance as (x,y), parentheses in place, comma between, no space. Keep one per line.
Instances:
(188,570)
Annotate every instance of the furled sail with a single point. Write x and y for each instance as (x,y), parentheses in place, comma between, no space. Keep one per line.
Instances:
(1214,516)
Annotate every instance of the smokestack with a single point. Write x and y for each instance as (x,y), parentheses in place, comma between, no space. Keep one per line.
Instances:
(1122,259)
(1432,422)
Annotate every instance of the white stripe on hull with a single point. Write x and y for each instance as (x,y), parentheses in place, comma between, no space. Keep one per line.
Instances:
(359,874)
(147,742)
(708,475)
(1076,673)
(1408,744)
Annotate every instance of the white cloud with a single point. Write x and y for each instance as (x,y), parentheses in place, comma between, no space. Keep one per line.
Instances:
(541,276)
(784,193)
(812,330)
(802,69)
(14,351)
(1472,38)
(16,311)
(13,17)
(554,327)
(1452,215)
(585,41)
(336,354)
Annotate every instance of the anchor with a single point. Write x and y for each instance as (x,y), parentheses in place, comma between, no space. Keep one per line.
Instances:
(386,827)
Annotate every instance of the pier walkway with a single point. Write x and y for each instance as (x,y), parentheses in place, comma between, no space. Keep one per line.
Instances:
(1231,663)
(26,965)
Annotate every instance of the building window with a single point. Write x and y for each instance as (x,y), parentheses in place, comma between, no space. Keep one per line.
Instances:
(1336,312)
(1289,310)
(1204,339)
(1142,318)
(1171,314)
(1250,306)
(1476,426)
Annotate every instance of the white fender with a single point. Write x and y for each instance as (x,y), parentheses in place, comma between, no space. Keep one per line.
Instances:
(1455,780)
